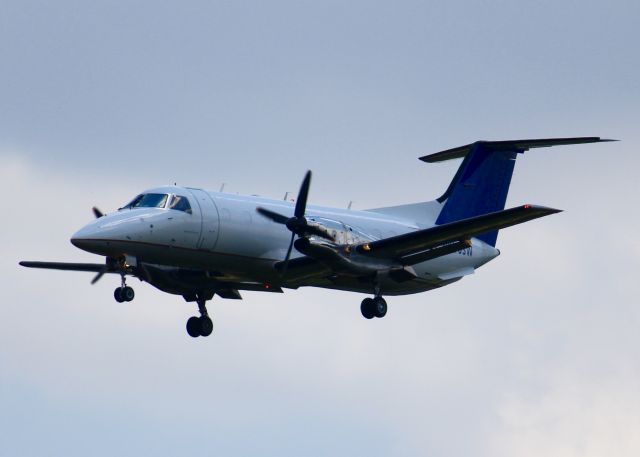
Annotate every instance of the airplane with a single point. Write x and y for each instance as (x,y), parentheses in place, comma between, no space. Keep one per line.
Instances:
(197,243)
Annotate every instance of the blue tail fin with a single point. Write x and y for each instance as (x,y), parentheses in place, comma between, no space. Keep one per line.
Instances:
(482,182)
(480,187)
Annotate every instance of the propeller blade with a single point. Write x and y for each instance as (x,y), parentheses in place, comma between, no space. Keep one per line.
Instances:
(275,217)
(301,202)
(97,213)
(286,259)
(97,277)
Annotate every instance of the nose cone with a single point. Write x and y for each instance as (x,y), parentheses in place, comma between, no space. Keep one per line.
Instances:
(87,237)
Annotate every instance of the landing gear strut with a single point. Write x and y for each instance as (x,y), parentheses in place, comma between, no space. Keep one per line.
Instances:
(200,326)
(124,292)
(373,307)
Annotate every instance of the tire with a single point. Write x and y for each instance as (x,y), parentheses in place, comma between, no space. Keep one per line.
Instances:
(206,326)
(127,293)
(117,294)
(367,309)
(193,326)
(379,307)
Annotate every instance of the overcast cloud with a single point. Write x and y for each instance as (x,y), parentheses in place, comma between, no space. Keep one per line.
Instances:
(536,354)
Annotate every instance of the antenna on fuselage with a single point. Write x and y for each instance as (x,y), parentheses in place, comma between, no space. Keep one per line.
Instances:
(350,203)
(222,186)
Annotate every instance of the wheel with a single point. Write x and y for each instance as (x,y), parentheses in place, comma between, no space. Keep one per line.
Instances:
(127,293)
(117,294)
(193,326)
(206,326)
(366,308)
(379,307)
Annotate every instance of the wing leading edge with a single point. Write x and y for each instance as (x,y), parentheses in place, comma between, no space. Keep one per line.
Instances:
(67,266)
(415,247)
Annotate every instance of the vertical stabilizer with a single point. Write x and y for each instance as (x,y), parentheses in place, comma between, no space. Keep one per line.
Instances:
(481,184)
(480,187)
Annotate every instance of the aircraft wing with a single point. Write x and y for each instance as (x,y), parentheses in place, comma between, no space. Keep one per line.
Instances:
(302,268)
(148,273)
(68,266)
(443,239)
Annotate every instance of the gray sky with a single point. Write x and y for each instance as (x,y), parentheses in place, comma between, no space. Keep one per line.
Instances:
(536,354)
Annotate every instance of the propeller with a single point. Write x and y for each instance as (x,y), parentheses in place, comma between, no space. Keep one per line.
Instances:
(111,265)
(97,213)
(297,224)
(100,274)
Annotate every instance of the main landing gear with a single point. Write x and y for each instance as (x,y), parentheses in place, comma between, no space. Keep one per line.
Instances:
(373,307)
(200,326)
(124,292)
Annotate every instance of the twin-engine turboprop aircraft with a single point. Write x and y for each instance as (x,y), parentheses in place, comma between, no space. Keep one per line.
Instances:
(197,244)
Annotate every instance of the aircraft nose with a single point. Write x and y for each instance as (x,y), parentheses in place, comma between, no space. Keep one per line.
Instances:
(103,236)
(85,237)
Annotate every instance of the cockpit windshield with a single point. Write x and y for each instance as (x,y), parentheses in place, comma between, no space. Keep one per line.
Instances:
(147,201)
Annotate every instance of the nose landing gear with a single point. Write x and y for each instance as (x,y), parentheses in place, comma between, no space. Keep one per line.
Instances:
(124,292)
(200,326)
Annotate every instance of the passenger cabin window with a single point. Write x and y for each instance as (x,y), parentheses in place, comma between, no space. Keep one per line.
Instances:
(148,201)
(180,203)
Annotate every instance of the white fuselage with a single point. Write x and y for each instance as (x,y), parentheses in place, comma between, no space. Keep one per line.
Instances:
(223,234)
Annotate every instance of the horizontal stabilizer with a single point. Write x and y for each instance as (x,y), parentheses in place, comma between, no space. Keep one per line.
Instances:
(509,145)
(415,243)
(93,267)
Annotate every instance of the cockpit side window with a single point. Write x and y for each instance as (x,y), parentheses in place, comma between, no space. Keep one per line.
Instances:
(180,203)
